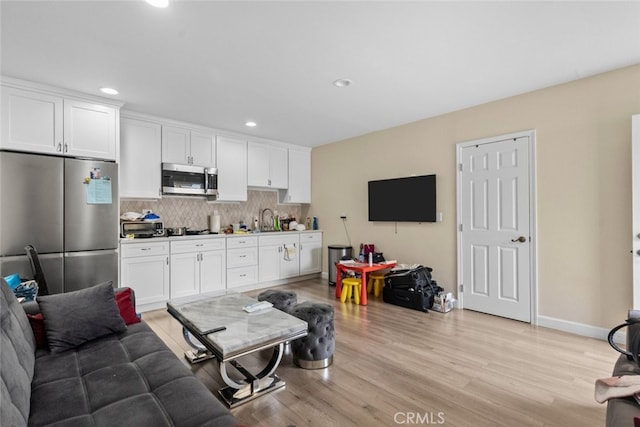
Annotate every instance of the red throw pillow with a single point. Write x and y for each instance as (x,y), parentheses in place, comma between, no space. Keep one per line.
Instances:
(37,325)
(127,311)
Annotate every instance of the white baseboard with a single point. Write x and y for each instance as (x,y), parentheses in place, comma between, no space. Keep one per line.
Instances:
(579,328)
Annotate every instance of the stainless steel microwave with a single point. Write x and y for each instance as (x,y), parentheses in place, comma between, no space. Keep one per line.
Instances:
(188,180)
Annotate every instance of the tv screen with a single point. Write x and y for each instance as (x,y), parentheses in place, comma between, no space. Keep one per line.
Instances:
(411,199)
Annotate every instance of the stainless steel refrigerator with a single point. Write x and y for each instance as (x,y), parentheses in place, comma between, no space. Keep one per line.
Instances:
(68,210)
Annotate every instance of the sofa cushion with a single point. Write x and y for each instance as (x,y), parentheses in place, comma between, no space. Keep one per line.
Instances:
(73,318)
(129,378)
(18,346)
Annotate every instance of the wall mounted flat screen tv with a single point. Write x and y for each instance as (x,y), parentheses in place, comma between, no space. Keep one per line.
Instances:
(410,199)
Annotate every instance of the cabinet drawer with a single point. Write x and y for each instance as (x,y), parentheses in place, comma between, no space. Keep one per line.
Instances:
(129,250)
(242,257)
(241,242)
(185,246)
(242,276)
(278,239)
(310,237)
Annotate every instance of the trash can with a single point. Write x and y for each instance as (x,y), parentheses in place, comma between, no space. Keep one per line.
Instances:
(335,254)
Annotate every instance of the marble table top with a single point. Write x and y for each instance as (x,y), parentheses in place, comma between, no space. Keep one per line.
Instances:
(245,332)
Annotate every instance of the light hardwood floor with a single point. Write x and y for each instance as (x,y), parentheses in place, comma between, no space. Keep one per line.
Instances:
(394,366)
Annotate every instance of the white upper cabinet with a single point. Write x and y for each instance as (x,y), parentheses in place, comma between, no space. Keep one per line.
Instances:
(186,146)
(203,148)
(140,175)
(31,121)
(89,130)
(231,154)
(176,145)
(267,166)
(279,167)
(299,190)
(45,123)
(257,165)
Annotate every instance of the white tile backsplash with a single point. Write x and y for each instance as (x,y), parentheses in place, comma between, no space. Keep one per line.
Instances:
(194,212)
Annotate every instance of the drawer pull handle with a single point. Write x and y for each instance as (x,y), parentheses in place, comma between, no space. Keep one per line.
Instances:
(243,275)
(145,249)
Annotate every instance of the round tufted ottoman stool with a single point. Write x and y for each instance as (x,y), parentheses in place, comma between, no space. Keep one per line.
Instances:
(282,300)
(315,351)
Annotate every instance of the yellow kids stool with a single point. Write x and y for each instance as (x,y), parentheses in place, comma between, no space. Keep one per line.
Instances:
(351,286)
(376,282)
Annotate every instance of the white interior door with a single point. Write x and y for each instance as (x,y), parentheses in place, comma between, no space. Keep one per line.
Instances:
(635,168)
(494,239)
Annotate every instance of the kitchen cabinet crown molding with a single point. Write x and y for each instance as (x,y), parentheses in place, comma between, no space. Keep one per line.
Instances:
(57,91)
(218,132)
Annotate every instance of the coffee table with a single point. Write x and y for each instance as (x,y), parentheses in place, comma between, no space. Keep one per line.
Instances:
(245,333)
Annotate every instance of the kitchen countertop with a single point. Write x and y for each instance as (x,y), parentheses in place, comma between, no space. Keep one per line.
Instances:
(211,236)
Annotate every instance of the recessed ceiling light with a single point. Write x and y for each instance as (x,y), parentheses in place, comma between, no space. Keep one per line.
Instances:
(251,124)
(108,91)
(158,3)
(342,82)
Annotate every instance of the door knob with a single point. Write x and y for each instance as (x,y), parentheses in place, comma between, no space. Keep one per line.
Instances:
(520,239)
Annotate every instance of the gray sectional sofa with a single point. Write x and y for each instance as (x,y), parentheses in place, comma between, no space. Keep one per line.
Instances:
(126,376)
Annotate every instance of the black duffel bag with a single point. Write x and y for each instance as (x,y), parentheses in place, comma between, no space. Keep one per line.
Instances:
(411,288)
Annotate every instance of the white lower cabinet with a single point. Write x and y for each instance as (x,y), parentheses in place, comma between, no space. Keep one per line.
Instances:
(160,269)
(310,253)
(197,266)
(213,269)
(278,257)
(144,267)
(242,261)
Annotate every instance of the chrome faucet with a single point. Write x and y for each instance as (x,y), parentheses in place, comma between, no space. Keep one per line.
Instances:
(267,226)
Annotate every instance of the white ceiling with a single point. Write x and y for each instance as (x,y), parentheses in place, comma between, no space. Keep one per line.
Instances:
(220,64)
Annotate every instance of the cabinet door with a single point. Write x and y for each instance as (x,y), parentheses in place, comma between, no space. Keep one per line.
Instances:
(89,130)
(232,169)
(310,258)
(268,263)
(185,275)
(203,149)
(299,178)
(213,271)
(290,261)
(257,165)
(278,167)
(140,158)
(148,276)
(31,121)
(176,145)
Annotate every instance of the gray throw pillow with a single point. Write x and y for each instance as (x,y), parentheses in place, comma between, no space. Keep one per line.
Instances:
(76,317)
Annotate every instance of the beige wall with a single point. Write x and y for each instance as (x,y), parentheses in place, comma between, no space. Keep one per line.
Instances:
(583,148)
